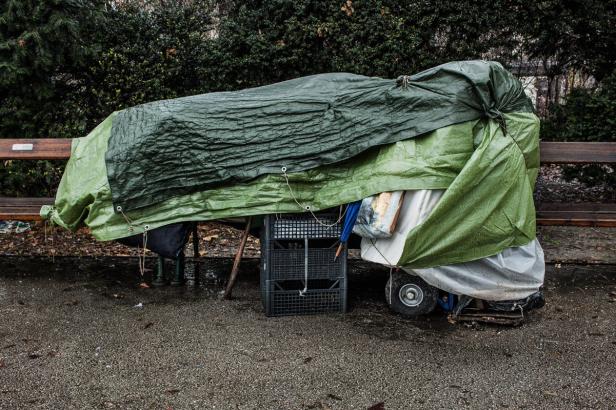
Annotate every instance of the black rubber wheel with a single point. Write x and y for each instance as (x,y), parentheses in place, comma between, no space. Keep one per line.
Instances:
(410,295)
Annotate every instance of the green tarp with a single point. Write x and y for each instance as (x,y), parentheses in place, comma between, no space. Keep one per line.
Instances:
(489,175)
(175,147)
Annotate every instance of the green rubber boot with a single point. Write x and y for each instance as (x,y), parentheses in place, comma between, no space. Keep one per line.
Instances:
(178,277)
(159,279)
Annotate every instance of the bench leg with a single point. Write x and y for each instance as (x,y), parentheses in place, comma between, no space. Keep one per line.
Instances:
(178,277)
(159,279)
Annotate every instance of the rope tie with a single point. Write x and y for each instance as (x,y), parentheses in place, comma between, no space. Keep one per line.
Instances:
(403,81)
(314,216)
(141,257)
(517,305)
(131,228)
(392,265)
(307,207)
(129,222)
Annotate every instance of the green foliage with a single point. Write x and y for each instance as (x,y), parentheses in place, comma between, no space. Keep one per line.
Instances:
(30,178)
(270,41)
(67,64)
(572,33)
(151,53)
(587,115)
(43,49)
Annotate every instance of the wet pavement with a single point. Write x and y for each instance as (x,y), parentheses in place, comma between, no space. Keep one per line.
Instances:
(79,333)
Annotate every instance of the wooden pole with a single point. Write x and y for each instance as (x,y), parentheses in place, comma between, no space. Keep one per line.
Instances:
(236,262)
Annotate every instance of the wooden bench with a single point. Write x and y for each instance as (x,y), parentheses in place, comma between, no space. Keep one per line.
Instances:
(577,214)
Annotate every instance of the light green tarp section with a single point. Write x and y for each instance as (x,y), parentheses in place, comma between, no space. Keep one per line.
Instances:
(175,147)
(487,207)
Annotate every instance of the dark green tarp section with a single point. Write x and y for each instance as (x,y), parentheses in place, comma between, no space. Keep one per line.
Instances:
(487,166)
(170,148)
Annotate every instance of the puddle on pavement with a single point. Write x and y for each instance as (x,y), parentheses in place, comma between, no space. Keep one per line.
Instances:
(208,273)
(113,276)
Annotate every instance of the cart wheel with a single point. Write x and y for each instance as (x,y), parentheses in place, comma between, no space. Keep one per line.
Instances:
(410,295)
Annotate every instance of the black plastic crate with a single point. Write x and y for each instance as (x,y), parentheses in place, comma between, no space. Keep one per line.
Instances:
(288,264)
(295,247)
(283,299)
(300,226)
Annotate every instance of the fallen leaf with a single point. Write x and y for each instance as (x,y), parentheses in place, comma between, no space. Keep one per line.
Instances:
(550,393)
(172,391)
(334,397)
(377,406)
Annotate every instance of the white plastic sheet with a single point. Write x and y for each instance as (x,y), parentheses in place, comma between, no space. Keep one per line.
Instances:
(512,274)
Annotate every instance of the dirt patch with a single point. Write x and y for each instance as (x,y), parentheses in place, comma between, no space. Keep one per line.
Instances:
(215,240)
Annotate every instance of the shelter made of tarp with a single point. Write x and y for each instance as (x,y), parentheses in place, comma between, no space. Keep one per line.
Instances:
(465,127)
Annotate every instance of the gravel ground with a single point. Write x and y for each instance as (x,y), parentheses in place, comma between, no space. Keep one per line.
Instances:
(71,337)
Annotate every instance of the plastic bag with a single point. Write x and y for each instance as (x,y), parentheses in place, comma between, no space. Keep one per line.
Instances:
(378,215)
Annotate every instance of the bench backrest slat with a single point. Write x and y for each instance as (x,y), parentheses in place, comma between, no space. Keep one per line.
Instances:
(551,152)
(35,148)
(578,152)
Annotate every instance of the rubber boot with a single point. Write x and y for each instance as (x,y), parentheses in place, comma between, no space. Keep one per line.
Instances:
(178,277)
(159,279)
